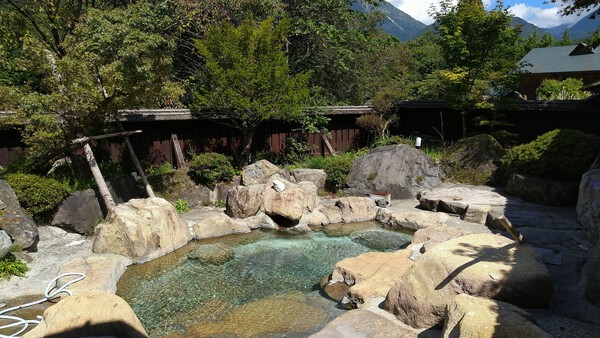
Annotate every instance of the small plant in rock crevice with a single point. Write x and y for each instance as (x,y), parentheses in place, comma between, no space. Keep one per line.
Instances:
(181,205)
(10,266)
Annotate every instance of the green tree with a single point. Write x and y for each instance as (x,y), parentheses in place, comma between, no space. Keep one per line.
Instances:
(110,60)
(565,39)
(480,51)
(247,79)
(568,89)
(330,40)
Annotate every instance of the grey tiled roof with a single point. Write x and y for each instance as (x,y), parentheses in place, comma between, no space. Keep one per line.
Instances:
(558,60)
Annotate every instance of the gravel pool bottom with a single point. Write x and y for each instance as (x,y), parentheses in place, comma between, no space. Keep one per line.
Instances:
(262,284)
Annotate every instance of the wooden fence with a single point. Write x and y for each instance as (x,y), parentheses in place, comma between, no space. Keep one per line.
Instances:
(427,119)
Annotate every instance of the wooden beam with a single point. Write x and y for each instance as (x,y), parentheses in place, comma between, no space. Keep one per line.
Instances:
(178,152)
(329,147)
(99,137)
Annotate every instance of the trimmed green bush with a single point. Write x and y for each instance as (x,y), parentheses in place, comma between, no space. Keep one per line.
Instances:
(38,195)
(210,168)
(561,153)
(337,169)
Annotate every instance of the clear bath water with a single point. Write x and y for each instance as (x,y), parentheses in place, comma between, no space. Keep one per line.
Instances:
(270,288)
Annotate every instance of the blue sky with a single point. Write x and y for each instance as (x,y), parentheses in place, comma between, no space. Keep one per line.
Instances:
(534,11)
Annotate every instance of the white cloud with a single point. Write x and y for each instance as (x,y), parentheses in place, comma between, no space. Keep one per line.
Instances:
(419,9)
(542,17)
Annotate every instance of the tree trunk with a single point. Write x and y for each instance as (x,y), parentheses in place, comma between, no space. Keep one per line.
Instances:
(245,148)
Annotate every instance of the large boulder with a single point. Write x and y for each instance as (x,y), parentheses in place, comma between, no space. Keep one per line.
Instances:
(588,205)
(259,172)
(473,160)
(483,265)
(141,229)
(398,169)
(244,201)
(468,316)
(363,323)
(15,222)
(542,190)
(89,314)
(289,205)
(356,209)
(5,244)
(102,272)
(79,212)
(316,176)
(217,224)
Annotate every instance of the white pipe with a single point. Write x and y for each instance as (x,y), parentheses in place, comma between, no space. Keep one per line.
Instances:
(48,294)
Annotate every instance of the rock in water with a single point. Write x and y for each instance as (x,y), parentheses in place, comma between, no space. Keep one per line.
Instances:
(398,169)
(141,229)
(483,265)
(214,254)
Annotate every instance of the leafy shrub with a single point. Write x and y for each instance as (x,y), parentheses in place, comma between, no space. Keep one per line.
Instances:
(372,123)
(210,168)
(10,266)
(181,205)
(561,153)
(337,169)
(162,169)
(37,195)
(568,89)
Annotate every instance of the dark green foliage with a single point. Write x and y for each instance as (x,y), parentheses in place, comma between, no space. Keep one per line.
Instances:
(37,195)
(246,78)
(10,266)
(561,153)
(337,169)
(210,168)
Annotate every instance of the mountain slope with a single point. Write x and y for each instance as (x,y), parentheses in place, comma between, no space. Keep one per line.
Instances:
(584,27)
(526,28)
(395,21)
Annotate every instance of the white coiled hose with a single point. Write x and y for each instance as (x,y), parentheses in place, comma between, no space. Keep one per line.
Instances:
(52,290)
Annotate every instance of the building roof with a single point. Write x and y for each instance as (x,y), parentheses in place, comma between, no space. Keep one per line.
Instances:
(564,59)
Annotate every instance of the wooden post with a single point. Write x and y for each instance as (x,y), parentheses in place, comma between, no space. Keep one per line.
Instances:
(108,200)
(178,152)
(135,161)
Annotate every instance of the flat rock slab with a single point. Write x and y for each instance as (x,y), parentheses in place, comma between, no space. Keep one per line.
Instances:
(457,199)
(56,248)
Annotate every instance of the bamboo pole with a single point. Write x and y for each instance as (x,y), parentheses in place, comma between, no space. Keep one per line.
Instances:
(108,200)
